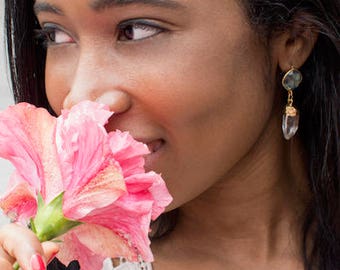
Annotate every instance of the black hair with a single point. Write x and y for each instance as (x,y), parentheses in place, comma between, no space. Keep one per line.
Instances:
(26,57)
(318,100)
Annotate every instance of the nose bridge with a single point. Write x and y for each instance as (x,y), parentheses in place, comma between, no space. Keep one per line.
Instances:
(88,78)
(95,79)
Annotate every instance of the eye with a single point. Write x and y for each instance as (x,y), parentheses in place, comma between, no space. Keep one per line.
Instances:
(138,30)
(52,35)
(58,36)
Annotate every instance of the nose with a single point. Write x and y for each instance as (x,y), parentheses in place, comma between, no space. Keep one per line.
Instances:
(96,81)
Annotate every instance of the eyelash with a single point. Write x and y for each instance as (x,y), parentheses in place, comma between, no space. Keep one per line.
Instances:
(43,36)
(139,24)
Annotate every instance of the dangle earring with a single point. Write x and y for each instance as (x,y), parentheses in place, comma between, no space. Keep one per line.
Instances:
(290,119)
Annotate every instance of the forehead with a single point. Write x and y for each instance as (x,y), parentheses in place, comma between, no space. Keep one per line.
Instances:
(98,5)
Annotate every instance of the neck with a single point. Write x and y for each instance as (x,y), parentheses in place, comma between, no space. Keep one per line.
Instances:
(255,211)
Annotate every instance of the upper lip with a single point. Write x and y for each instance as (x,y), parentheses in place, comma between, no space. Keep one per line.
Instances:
(140,136)
(144,140)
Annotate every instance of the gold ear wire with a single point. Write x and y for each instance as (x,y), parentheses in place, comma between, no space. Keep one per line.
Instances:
(290,120)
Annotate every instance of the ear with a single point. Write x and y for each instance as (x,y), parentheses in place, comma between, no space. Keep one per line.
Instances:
(293,46)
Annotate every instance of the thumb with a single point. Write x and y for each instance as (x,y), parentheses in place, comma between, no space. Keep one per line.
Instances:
(50,249)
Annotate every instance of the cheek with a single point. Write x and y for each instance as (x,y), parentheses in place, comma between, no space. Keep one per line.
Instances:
(59,74)
(214,104)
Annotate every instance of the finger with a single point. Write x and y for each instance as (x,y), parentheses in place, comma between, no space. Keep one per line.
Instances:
(50,250)
(4,256)
(22,245)
(5,264)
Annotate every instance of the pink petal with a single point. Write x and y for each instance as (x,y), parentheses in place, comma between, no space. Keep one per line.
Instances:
(27,140)
(72,249)
(83,154)
(91,244)
(19,203)
(128,152)
(107,186)
(83,149)
(156,187)
(130,216)
(88,111)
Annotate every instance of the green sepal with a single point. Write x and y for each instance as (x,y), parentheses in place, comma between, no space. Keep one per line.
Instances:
(41,202)
(50,221)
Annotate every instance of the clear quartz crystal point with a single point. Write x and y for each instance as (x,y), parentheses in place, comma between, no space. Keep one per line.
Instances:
(290,122)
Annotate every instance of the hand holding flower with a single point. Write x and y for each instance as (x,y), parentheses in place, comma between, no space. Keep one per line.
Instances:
(80,184)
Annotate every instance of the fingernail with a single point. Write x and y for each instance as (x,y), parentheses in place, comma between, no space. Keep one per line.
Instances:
(52,257)
(37,262)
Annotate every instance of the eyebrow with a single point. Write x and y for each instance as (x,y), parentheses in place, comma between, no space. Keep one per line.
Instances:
(99,5)
(46,7)
(103,4)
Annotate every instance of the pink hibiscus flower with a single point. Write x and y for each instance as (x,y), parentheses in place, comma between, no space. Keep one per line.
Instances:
(76,182)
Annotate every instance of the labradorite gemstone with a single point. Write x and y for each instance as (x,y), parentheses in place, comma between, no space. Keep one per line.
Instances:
(292,79)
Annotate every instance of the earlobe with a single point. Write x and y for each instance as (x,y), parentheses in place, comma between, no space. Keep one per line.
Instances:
(296,43)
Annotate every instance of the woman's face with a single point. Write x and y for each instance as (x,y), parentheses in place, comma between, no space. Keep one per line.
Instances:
(186,77)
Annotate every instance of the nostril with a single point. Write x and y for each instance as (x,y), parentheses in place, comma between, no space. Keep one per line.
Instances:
(118,101)
(74,97)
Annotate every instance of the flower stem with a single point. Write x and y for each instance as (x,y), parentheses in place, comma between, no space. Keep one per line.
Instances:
(16,266)
(50,221)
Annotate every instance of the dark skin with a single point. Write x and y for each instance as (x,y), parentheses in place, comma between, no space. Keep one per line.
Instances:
(201,93)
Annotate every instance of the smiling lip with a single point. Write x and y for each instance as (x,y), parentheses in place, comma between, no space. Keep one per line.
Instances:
(152,159)
(155,145)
